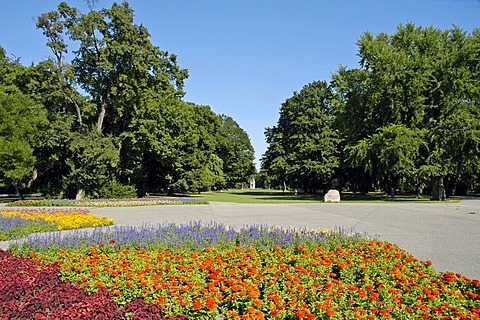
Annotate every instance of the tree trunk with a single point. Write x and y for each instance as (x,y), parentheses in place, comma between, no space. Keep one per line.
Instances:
(101,111)
(20,195)
(77,109)
(64,86)
(284,186)
(438,189)
(101,116)
(418,190)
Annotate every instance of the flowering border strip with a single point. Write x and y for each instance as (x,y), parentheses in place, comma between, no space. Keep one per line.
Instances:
(338,278)
(131,202)
(17,223)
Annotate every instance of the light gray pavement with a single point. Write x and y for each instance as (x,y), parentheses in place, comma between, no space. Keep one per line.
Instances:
(448,234)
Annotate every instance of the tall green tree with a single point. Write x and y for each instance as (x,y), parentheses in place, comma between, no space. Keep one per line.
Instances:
(20,124)
(92,163)
(114,64)
(274,164)
(418,82)
(121,72)
(196,166)
(236,152)
(395,150)
(303,145)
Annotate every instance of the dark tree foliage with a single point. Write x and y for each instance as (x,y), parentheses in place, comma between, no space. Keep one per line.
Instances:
(235,151)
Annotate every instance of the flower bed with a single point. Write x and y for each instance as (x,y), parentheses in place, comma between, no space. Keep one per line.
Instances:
(18,223)
(31,290)
(214,272)
(16,227)
(106,202)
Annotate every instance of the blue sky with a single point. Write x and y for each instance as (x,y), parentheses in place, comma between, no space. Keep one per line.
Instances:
(246,57)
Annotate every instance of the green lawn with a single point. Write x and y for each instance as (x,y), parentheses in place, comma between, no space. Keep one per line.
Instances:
(277,196)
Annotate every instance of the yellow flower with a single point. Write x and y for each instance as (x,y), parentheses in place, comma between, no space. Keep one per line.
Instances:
(62,219)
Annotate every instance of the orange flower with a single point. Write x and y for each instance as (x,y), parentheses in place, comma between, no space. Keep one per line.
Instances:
(330,312)
(197,304)
(210,303)
(300,314)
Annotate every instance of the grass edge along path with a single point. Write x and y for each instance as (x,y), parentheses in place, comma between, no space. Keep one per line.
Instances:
(259,196)
(270,196)
(209,271)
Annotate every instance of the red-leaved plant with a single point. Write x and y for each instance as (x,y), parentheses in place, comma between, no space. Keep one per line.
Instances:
(32,290)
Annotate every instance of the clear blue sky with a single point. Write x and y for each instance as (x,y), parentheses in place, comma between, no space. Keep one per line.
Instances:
(246,57)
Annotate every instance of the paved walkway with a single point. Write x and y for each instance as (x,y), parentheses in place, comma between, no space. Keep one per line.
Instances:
(448,234)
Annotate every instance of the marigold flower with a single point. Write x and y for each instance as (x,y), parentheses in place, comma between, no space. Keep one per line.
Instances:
(300,314)
(210,303)
(330,312)
(197,304)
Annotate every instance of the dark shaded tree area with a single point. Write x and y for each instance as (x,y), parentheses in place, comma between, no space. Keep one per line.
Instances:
(106,112)
(407,119)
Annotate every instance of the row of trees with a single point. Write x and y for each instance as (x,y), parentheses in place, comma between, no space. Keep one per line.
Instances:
(408,118)
(106,111)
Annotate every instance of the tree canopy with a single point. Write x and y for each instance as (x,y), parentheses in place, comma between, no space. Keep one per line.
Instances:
(302,148)
(112,113)
(407,117)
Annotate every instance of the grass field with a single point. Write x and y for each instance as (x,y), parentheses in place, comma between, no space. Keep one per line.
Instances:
(277,196)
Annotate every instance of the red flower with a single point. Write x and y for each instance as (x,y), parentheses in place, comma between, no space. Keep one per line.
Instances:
(210,303)
(197,304)
(330,312)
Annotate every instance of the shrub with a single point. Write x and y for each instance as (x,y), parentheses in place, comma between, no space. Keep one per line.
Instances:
(117,190)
